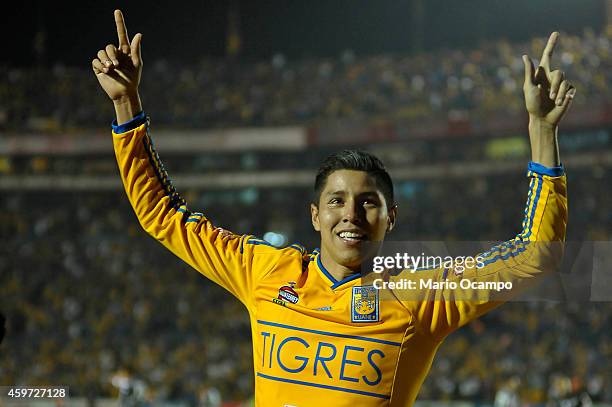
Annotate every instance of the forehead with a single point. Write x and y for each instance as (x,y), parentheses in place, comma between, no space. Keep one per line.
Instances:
(350,181)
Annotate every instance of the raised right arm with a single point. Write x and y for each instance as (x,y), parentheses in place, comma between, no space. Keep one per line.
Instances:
(232,261)
(227,259)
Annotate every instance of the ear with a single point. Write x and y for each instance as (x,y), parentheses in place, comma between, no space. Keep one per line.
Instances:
(391,218)
(314,215)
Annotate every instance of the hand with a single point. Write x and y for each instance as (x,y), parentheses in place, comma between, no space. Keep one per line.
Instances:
(548,94)
(118,69)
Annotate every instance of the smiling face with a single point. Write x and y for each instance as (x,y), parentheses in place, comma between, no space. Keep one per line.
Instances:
(351,210)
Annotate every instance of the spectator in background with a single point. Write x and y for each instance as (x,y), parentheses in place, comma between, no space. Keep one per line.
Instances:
(507,395)
(439,85)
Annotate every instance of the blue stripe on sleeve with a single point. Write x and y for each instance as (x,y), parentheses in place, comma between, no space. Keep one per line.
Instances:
(133,123)
(543,170)
(533,210)
(517,245)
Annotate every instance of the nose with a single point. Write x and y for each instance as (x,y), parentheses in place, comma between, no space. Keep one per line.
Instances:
(352,213)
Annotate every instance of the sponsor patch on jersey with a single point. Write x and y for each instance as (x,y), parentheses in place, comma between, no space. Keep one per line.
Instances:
(364,304)
(287,293)
(279,302)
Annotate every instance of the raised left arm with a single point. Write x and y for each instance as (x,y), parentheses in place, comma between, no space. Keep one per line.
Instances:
(537,250)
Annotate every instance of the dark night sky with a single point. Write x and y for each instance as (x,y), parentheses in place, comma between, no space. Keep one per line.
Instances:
(187,30)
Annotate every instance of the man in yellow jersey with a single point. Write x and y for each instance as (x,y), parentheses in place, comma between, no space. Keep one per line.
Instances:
(321,335)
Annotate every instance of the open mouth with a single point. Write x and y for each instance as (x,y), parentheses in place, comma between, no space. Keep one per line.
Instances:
(352,237)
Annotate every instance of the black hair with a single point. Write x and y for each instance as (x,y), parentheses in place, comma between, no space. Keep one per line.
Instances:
(359,161)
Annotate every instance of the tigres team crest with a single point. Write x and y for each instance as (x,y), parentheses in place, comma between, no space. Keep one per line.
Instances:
(364,304)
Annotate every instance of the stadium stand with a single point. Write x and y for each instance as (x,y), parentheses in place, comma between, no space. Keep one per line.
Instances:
(93,297)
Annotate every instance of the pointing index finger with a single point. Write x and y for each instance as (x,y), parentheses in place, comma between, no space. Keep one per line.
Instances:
(548,51)
(124,43)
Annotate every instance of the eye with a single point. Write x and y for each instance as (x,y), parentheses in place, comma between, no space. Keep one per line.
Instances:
(370,203)
(334,201)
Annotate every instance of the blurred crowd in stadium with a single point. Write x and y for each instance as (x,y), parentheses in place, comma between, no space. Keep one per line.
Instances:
(222,93)
(96,301)
(92,296)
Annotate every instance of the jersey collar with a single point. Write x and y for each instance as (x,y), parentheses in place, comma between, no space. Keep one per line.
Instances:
(334,284)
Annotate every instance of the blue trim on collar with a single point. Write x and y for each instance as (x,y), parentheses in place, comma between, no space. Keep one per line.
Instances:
(346,280)
(543,170)
(324,270)
(335,283)
(133,123)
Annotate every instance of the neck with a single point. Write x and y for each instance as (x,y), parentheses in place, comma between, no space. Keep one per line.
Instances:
(338,271)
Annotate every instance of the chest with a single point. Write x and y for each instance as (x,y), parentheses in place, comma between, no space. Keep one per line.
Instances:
(347,338)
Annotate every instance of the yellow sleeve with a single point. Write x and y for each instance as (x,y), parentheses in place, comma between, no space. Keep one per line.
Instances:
(234,262)
(521,261)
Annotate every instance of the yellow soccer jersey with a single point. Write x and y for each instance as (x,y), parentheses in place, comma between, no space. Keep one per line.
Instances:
(318,341)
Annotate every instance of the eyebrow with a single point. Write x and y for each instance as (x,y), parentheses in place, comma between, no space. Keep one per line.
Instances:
(340,192)
(365,193)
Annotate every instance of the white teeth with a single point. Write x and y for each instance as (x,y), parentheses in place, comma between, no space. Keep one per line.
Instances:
(350,235)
